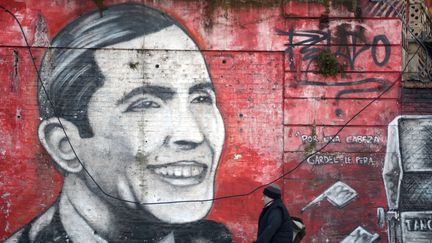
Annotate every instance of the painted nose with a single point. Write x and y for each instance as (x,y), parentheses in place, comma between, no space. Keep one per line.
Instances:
(186,132)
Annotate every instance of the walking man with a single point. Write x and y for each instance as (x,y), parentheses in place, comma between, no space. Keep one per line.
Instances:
(275,224)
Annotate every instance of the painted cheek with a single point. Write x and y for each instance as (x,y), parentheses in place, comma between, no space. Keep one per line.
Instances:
(212,127)
(205,121)
(218,128)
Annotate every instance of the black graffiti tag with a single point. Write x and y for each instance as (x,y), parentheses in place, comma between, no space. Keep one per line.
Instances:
(350,44)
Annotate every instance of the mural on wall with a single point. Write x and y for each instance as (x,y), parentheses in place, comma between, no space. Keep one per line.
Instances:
(131,121)
(170,104)
(360,235)
(350,43)
(339,194)
(407,177)
(344,138)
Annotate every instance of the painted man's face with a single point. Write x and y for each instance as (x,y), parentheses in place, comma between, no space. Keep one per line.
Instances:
(158,133)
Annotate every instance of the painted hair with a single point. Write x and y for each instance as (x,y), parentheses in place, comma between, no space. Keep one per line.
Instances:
(69,71)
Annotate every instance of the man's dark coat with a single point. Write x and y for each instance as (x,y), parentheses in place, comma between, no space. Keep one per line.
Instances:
(275,224)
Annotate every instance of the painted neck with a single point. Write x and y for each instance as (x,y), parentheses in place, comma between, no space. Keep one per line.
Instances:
(89,214)
(84,215)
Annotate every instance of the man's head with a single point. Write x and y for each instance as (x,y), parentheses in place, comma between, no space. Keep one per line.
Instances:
(134,95)
(271,192)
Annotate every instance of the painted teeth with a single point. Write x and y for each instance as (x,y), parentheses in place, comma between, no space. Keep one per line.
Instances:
(179,171)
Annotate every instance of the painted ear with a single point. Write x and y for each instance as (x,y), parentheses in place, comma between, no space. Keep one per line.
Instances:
(53,138)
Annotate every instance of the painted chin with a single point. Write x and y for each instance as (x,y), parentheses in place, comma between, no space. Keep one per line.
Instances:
(180,173)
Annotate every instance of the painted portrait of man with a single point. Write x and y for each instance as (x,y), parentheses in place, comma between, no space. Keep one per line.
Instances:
(129,117)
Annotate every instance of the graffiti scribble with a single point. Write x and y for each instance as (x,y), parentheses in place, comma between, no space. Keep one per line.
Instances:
(350,45)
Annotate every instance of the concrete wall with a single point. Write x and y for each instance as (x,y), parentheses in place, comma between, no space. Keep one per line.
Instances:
(269,113)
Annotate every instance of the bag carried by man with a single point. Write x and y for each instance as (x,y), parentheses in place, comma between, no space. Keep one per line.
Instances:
(299,229)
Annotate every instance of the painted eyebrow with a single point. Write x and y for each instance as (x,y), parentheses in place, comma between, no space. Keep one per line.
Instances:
(163,93)
(201,87)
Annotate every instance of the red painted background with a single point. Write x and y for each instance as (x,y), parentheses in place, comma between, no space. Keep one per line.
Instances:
(271,118)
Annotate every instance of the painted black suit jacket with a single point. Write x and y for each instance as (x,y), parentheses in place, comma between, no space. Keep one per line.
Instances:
(199,231)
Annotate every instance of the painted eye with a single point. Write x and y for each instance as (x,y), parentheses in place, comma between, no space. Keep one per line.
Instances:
(203,99)
(141,105)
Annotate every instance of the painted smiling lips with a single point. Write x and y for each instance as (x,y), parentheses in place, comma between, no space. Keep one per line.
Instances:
(182,173)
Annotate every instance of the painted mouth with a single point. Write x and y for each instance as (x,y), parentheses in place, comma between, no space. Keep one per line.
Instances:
(181,173)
